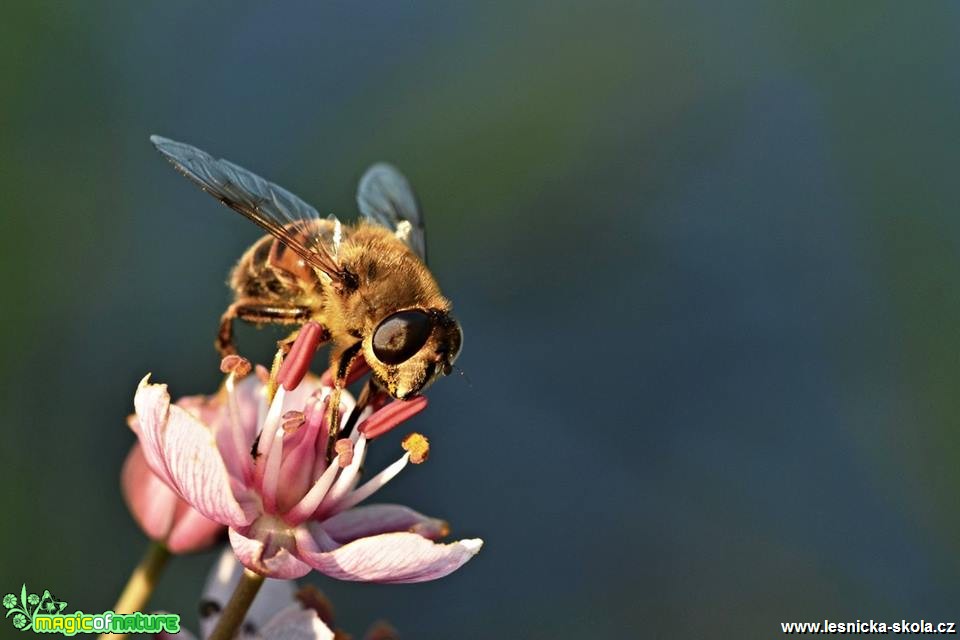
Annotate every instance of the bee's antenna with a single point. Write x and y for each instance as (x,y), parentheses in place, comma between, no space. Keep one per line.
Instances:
(462,375)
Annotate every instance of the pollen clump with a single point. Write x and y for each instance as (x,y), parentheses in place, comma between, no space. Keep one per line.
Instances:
(292,420)
(237,365)
(417,445)
(344,449)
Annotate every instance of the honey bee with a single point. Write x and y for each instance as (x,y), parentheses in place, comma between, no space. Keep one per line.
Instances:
(365,283)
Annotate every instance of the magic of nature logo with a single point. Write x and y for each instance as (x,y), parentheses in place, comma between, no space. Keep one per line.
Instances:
(44,614)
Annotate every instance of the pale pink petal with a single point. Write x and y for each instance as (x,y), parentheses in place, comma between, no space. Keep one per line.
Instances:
(178,446)
(215,412)
(134,424)
(294,623)
(151,502)
(192,531)
(369,520)
(281,564)
(297,399)
(300,455)
(234,423)
(198,470)
(388,558)
(152,404)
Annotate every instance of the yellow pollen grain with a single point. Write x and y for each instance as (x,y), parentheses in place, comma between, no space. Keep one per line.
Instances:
(417,445)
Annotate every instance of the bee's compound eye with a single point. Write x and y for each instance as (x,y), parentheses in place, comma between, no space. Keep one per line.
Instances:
(401,335)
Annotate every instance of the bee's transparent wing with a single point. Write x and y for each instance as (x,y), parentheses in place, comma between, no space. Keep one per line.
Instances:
(278,211)
(385,196)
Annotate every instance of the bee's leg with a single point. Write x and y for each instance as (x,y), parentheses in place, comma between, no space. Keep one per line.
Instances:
(257,312)
(341,364)
(285,344)
(224,341)
(370,394)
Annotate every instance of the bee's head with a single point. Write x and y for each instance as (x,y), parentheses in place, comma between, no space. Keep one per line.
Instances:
(409,349)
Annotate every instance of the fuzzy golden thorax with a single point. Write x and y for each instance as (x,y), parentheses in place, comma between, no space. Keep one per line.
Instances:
(389,278)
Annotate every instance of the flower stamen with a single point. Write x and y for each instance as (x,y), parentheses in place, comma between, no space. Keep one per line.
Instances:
(297,362)
(270,423)
(344,449)
(309,503)
(240,445)
(346,479)
(237,365)
(372,485)
(293,420)
(417,445)
(271,447)
(391,415)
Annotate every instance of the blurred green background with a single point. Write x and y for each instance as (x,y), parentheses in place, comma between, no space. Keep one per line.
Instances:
(706,259)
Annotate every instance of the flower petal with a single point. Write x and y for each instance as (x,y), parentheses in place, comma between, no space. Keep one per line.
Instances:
(310,385)
(282,564)
(152,405)
(369,520)
(151,502)
(160,512)
(183,452)
(388,558)
(192,531)
(294,623)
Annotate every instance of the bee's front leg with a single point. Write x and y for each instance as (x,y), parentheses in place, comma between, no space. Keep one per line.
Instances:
(341,367)
(224,341)
(371,394)
(256,312)
(284,345)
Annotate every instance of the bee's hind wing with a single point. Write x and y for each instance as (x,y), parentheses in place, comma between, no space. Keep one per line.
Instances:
(385,196)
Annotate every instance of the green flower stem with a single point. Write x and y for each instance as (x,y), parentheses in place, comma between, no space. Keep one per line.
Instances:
(141,583)
(236,609)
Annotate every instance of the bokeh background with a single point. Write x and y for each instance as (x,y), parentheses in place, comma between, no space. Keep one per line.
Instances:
(707,258)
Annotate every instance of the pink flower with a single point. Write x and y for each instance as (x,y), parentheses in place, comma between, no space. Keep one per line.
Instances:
(261,469)
(160,512)
(276,613)
(280,611)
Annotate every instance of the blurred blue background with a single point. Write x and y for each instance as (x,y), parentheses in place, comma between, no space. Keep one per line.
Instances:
(706,260)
